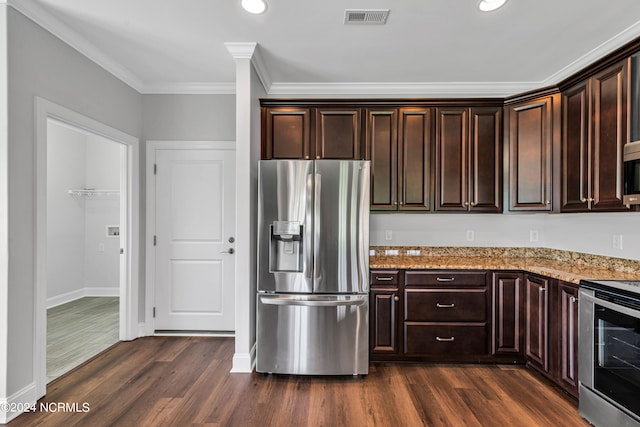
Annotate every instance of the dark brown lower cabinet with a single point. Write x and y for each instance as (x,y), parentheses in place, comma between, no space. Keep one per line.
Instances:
(536,341)
(445,315)
(566,372)
(453,316)
(507,317)
(384,305)
(551,338)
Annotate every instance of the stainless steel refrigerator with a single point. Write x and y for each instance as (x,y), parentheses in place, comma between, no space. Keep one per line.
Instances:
(313,267)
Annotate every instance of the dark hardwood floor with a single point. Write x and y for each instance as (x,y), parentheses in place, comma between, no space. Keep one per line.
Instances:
(185,381)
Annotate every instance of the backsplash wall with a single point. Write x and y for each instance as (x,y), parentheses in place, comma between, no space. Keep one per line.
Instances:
(589,233)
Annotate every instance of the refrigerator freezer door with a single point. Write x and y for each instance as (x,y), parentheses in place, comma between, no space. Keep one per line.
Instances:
(285,226)
(341,220)
(313,334)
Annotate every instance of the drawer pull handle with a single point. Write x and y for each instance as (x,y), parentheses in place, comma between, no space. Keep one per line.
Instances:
(384,278)
(445,339)
(445,305)
(445,279)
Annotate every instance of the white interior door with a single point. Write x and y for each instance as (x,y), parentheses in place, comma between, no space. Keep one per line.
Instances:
(194,235)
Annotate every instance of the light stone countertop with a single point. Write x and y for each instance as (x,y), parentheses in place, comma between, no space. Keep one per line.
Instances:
(563,265)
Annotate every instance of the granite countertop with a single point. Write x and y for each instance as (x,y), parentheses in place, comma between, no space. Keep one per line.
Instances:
(563,265)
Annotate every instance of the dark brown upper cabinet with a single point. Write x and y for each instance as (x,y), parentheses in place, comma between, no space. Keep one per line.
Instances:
(338,133)
(311,133)
(533,126)
(595,115)
(286,133)
(468,159)
(398,144)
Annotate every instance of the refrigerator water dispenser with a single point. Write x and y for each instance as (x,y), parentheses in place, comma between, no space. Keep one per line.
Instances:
(285,251)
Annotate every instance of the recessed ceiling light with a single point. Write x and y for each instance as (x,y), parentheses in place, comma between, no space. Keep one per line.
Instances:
(254,6)
(489,5)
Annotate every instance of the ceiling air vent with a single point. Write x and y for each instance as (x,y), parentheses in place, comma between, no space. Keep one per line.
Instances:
(366,16)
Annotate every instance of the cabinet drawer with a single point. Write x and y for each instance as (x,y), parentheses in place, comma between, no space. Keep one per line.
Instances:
(444,277)
(446,305)
(445,338)
(385,277)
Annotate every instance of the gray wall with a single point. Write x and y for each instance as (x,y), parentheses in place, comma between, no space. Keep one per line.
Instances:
(40,64)
(66,215)
(81,260)
(589,232)
(189,117)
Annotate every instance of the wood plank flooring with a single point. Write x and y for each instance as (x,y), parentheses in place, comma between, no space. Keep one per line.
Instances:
(78,330)
(185,381)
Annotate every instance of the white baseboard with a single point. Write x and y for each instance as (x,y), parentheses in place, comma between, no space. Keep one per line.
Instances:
(101,291)
(244,362)
(17,403)
(87,291)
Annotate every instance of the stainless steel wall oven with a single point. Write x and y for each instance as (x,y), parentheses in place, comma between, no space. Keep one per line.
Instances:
(609,342)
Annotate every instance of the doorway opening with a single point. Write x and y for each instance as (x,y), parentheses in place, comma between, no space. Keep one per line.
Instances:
(118,232)
(83,245)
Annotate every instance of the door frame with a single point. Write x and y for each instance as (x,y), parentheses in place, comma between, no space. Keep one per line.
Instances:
(150,177)
(129,229)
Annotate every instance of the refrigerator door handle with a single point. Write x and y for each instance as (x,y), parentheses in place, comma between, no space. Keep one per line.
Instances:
(315,302)
(317,225)
(309,238)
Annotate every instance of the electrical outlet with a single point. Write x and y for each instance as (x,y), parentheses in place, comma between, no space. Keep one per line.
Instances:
(388,235)
(533,235)
(616,241)
(471,235)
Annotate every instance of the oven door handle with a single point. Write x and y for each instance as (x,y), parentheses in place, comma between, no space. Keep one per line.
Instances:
(611,306)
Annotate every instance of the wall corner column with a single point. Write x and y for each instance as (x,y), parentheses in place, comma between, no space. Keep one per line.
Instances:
(249,84)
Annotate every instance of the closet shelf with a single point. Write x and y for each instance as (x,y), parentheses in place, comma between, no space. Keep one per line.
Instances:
(88,192)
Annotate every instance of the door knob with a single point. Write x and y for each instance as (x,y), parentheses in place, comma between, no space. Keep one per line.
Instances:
(231,239)
(230,251)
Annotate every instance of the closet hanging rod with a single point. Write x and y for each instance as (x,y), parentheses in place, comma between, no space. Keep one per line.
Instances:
(87,192)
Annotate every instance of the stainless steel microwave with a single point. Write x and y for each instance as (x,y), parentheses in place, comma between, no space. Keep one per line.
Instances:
(632,173)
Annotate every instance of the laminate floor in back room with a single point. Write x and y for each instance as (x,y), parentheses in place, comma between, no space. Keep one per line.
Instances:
(185,381)
(78,330)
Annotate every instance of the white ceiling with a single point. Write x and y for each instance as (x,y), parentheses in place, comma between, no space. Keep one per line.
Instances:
(427,47)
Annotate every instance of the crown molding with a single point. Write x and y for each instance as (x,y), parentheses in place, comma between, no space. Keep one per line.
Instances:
(241,50)
(261,69)
(418,89)
(251,51)
(47,21)
(615,42)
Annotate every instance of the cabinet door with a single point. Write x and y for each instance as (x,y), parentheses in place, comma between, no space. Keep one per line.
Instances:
(610,111)
(452,159)
(567,374)
(382,150)
(338,134)
(286,133)
(537,321)
(485,165)
(384,326)
(414,153)
(530,138)
(575,148)
(507,310)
